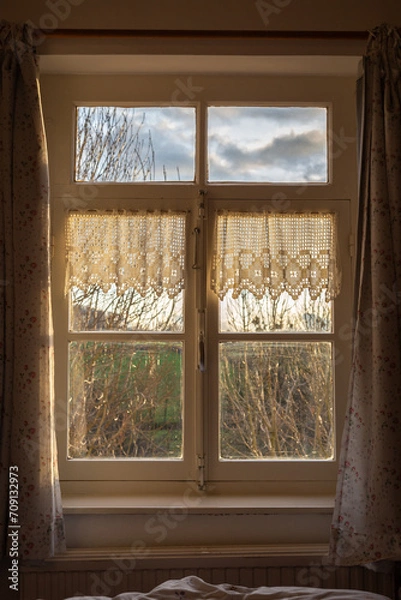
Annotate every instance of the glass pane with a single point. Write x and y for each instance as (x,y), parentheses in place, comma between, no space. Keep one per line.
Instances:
(125,400)
(95,310)
(276,400)
(283,144)
(247,314)
(126,144)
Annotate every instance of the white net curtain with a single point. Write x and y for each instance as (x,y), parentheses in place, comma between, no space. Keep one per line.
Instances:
(141,250)
(275,252)
(258,252)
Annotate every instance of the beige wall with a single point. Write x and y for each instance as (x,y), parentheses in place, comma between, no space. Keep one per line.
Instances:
(206,14)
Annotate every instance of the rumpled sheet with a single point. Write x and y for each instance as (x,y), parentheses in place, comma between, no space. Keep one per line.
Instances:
(194,588)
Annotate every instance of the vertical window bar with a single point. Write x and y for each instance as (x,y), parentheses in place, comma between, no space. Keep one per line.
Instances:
(200,276)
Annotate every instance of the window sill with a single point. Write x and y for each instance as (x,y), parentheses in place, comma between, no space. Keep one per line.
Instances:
(279,554)
(82,498)
(179,515)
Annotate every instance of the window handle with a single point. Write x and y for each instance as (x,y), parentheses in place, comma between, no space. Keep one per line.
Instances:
(202,357)
(195,233)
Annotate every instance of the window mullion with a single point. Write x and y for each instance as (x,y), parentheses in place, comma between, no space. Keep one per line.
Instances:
(199,265)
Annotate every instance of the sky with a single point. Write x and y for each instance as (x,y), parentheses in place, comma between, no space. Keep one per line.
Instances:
(275,144)
(173,136)
(246,143)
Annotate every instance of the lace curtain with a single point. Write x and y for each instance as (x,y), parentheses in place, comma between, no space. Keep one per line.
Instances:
(143,250)
(276,252)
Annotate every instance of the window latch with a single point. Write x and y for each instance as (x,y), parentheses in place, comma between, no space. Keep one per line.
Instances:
(201,341)
(195,233)
(201,472)
(202,357)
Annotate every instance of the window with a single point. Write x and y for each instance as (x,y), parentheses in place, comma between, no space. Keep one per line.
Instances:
(275,273)
(201,276)
(283,144)
(126,278)
(116,143)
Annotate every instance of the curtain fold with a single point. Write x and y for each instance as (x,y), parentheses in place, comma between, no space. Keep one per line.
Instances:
(28,462)
(366,525)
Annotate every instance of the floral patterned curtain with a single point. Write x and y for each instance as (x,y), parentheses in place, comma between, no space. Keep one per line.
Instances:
(367,518)
(29,491)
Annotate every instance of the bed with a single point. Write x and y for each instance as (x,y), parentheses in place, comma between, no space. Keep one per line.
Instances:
(194,588)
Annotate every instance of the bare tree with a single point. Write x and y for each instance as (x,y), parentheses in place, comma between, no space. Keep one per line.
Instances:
(276,396)
(125,396)
(128,396)
(95,310)
(112,145)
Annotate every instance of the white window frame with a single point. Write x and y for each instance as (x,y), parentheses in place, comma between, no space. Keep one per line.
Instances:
(338,194)
(281,470)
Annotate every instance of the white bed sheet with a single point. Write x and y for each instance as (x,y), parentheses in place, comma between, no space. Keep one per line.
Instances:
(194,588)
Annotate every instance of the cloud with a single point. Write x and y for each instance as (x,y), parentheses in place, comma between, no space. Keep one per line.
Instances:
(293,157)
(172,131)
(174,148)
(273,144)
(287,115)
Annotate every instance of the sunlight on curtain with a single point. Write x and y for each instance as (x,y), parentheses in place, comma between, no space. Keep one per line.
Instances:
(366,524)
(28,450)
(275,253)
(140,250)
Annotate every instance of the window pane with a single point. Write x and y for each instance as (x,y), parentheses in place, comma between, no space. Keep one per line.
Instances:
(95,310)
(283,144)
(125,400)
(276,400)
(126,144)
(248,314)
